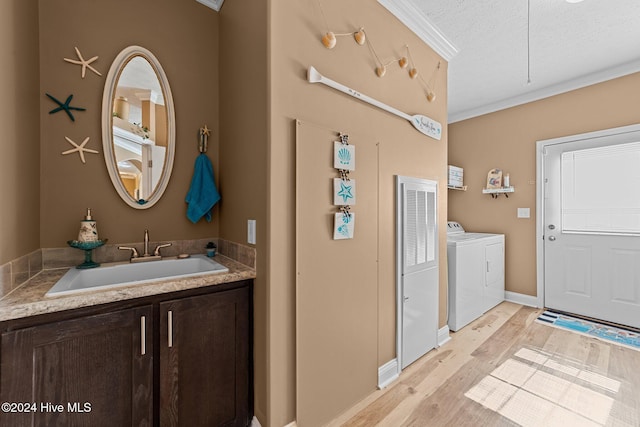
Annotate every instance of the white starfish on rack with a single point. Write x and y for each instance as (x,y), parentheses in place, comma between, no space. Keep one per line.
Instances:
(79,148)
(84,63)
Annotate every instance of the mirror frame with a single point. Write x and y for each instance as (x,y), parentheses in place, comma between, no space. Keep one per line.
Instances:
(111,83)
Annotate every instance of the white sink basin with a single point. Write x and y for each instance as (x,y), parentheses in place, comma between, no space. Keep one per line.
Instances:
(110,276)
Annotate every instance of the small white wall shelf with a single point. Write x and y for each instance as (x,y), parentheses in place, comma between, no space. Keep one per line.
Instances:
(498,190)
(453,187)
(495,192)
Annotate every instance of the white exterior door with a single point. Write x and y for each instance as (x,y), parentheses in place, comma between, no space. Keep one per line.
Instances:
(591,220)
(418,266)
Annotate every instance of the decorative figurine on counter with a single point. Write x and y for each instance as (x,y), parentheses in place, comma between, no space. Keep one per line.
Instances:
(88,229)
(211,249)
(87,241)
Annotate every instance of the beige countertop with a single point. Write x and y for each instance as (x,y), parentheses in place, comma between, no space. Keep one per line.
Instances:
(29,299)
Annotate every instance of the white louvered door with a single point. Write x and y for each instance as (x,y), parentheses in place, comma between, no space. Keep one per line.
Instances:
(418,265)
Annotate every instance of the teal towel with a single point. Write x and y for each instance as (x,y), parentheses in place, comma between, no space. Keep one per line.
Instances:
(203,193)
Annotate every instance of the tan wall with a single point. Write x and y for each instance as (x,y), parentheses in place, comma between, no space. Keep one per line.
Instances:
(243,153)
(183,35)
(19,122)
(296,28)
(506,140)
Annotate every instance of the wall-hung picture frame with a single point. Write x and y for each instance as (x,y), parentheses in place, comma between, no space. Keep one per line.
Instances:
(344,192)
(344,225)
(494,178)
(344,156)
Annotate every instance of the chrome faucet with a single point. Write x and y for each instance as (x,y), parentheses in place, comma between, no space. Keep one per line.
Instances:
(146,243)
(146,256)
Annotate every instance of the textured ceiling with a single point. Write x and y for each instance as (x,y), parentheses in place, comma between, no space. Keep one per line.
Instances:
(571,45)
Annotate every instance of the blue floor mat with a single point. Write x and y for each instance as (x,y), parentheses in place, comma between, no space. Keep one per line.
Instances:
(592,329)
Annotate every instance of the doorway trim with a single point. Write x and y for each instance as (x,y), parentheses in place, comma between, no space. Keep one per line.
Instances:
(540,150)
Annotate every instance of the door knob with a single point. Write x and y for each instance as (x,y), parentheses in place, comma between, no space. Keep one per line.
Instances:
(552,238)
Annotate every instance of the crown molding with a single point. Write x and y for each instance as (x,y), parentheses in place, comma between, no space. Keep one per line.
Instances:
(213,4)
(546,92)
(414,19)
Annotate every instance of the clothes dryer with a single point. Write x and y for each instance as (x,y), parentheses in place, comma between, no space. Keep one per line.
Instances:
(476,274)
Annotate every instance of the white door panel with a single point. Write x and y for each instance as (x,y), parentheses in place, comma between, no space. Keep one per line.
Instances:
(494,275)
(417,267)
(469,294)
(625,276)
(494,260)
(419,322)
(591,233)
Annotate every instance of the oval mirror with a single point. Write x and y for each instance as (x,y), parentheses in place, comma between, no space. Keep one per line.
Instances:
(138,127)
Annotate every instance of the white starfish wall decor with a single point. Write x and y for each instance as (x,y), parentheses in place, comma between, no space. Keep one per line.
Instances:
(79,148)
(84,63)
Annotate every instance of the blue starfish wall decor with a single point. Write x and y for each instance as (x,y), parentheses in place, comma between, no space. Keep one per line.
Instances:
(65,106)
(345,192)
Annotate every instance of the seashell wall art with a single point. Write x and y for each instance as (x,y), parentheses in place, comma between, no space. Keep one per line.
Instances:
(344,156)
(344,188)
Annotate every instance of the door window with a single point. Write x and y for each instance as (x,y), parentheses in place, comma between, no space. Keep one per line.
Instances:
(600,190)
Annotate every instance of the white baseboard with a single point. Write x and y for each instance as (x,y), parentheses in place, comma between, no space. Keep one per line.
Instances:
(521,299)
(387,373)
(443,335)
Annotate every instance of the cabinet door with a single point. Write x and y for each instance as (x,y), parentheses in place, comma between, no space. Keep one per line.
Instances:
(90,371)
(204,360)
(494,276)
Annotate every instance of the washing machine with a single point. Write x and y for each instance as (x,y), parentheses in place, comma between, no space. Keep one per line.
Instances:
(475,263)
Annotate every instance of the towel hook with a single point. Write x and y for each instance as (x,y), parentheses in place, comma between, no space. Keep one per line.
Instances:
(205,132)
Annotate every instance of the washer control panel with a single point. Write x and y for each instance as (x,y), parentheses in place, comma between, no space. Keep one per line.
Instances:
(454,227)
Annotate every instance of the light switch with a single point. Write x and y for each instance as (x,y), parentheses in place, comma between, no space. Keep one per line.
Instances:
(251,231)
(524,213)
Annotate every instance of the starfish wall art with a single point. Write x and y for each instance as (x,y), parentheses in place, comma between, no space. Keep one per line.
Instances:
(344,188)
(84,62)
(65,106)
(344,192)
(79,148)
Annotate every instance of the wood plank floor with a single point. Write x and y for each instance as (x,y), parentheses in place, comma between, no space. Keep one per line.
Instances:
(505,369)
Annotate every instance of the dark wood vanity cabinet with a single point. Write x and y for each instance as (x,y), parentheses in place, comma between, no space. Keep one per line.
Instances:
(204,377)
(90,371)
(182,359)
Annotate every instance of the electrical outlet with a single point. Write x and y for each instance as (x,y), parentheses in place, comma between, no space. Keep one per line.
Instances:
(251,231)
(524,213)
